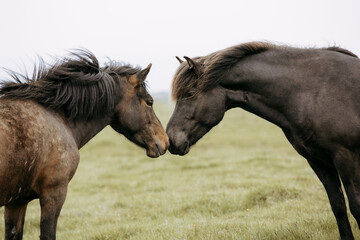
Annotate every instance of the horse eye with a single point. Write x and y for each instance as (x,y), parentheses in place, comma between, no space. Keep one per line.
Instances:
(189,95)
(149,102)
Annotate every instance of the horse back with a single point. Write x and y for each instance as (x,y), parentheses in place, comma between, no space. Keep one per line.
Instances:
(317,91)
(325,106)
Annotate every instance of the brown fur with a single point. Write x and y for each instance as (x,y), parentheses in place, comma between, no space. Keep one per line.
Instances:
(46,119)
(76,85)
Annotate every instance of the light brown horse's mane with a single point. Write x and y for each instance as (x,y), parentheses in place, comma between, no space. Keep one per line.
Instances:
(215,65)
(77,85)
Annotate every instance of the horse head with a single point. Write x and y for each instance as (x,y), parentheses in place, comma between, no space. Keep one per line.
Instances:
(197,109)
(134,116)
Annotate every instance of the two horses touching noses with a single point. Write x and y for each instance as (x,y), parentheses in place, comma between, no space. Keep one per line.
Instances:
(311,94)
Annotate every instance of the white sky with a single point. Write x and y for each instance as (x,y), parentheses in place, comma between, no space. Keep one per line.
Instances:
(143,31)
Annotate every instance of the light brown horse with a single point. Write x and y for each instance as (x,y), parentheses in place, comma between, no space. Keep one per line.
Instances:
(44,121)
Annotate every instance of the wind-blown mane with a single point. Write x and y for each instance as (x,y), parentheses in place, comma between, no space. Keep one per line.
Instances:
(215,65)
(76,85)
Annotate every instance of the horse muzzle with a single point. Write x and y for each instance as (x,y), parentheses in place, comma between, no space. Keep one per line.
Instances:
(158,148)
(179,144)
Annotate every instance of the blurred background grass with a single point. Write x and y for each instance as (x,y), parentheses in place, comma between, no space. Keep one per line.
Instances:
(243,180)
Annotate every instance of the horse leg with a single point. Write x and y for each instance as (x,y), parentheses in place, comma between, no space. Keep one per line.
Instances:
(353,193)
(51,202)
(350,176)
(14,221)
(329,177)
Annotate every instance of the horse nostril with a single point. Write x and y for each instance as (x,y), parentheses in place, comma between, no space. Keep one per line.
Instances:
(170,143)
(158,149)
(171,146)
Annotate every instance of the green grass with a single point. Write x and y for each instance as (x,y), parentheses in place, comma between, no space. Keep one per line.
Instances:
(243,180)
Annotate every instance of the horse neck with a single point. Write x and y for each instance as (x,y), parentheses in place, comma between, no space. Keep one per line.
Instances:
(261,88)
(83,131)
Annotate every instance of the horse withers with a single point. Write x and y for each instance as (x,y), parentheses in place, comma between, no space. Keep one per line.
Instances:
(311,94)
(46,119)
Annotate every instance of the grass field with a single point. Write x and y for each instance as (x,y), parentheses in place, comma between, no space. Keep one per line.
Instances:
(243,180)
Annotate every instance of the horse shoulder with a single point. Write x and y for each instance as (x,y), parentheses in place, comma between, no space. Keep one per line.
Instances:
(62,155)
(37,144)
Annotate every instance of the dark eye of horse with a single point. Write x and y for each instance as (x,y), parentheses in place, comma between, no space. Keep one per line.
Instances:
(188,95)
(149,102)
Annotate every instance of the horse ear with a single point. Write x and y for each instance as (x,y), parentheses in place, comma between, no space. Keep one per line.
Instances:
(192,65)
(180,61)
(140,77)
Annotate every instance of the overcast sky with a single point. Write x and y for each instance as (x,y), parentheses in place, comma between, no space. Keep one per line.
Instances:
(154,31)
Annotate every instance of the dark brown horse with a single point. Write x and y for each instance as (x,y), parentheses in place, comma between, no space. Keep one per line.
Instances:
(44,121)
(313,95)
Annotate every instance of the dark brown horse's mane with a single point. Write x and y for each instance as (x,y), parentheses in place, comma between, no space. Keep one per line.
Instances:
(76,84)
(215,65)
